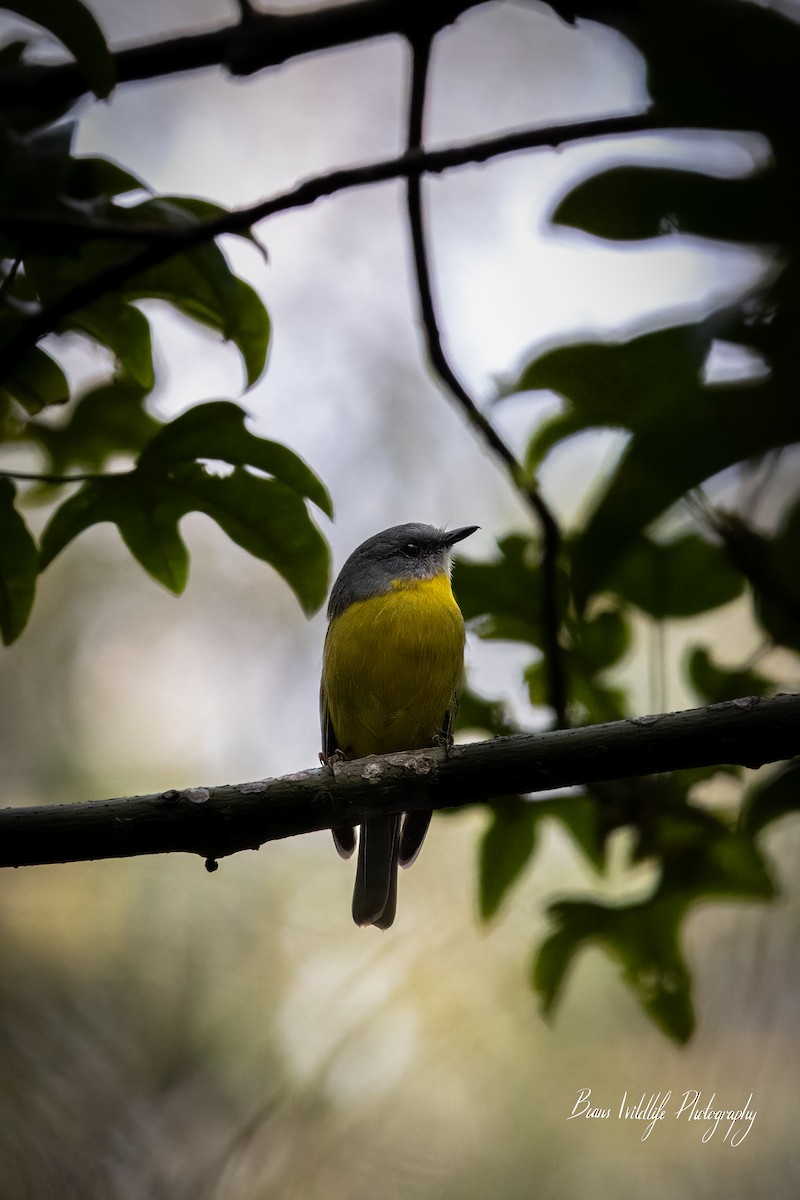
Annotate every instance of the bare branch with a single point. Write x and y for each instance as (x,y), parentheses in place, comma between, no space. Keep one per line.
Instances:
(262,40)
(180,240)
(216,821)
(551,534)
(328,183)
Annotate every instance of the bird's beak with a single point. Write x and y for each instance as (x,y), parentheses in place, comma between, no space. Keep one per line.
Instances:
(457,535)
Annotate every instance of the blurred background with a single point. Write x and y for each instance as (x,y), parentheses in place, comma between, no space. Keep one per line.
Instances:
(165,1032)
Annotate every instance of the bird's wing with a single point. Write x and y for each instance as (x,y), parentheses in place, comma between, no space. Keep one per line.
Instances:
(344,836)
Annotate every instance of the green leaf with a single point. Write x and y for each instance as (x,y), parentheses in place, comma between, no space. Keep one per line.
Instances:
(267,519)
(769,565)
(198,283)
(715,684)
(73,24)
(594,645)
(769,800)
(619,386)
(778,594)
(17,566)
(34,166)
(692,84)
(106,421)
(125,331)
(701,855)
(174,210)
(216,296)
(38,173)
(642,937)
(216,431)
(602,640)
(11,54)
(505,849)
(146,510)
(248,326)
(502,600)
(683,431)
(594,699)
(36,382)
(202,285)
(263,516)
(734,869)
(91,176)
(628,203)
(580,816)
(491,716)
(681,578)
(701,858)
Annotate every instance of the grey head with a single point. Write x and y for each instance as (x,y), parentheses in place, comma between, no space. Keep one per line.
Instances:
(411,551)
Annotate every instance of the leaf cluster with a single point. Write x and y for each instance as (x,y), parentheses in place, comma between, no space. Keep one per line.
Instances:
(717,66)
(53,202)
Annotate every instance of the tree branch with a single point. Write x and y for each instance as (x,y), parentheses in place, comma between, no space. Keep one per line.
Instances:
(328,183)
(243,48)
(551,534)
(180,240)
(217,821)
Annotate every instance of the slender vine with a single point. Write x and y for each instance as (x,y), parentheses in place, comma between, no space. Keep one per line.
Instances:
(551,534)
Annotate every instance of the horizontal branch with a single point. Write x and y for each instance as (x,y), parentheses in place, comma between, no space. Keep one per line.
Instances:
(260,41)
(187,237)
(216,821)
(178,238)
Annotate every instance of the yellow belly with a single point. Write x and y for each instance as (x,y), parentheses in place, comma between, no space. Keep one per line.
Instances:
(392,668)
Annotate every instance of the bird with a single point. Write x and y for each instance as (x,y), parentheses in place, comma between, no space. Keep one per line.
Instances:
(392,670)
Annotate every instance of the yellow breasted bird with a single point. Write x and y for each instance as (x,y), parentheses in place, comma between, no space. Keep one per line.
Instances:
(391,675)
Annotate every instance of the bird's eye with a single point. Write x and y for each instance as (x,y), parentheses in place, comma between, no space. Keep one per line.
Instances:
(410,549)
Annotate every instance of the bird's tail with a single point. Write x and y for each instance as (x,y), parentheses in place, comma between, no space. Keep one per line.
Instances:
(415,826)
(375,894)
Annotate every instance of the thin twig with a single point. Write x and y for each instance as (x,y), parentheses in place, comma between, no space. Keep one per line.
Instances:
(188,237)
(551,534)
